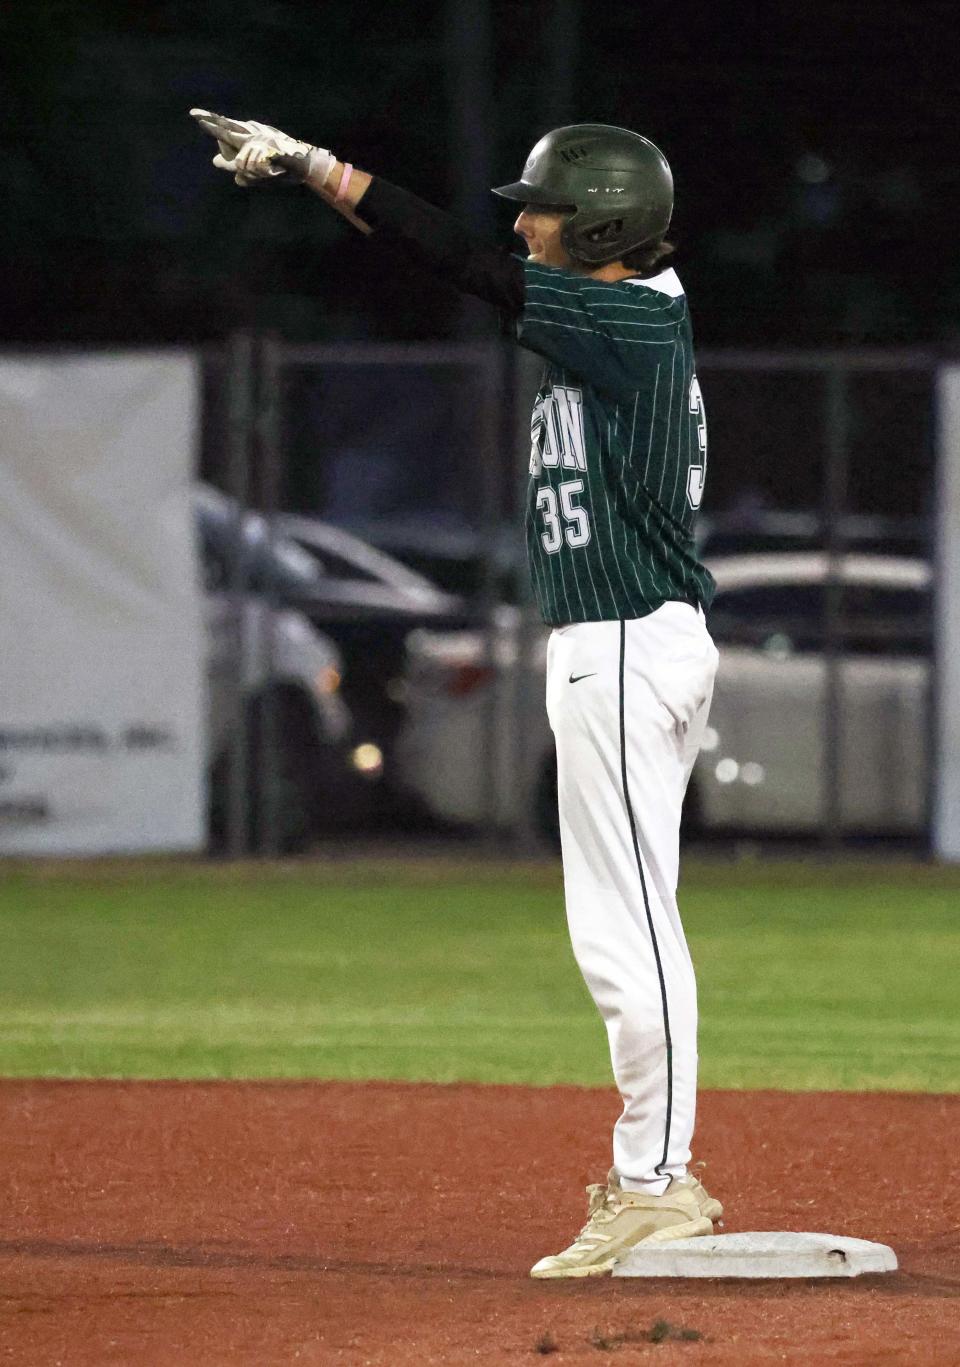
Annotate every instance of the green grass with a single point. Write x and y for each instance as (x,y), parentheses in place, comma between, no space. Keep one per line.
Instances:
(809,977)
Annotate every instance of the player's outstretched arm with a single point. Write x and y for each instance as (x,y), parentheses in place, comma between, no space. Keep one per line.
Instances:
(256,153)
(430,237)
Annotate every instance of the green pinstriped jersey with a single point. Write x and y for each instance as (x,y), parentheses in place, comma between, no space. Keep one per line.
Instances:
(618,447)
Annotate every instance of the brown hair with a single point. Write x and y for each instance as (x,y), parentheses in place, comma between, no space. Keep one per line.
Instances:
(645,260)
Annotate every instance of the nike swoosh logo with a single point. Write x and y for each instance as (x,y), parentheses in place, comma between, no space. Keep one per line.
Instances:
(575,678)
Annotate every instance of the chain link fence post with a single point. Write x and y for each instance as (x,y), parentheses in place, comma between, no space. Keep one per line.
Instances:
(268,773)
(240,383)
(836,479)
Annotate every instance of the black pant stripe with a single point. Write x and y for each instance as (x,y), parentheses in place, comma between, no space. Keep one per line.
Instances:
(646,901)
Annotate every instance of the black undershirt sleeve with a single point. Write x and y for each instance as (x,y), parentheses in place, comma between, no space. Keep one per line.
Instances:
(433,239)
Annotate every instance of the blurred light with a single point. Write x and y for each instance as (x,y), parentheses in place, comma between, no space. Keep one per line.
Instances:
(812,169)
(467,678)
(778,645)
(397,690)
(727,770)
(752,773)
(368,758)
(711,739)
(327,679)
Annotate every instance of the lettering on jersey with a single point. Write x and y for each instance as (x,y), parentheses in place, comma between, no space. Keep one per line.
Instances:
(568,415)
(697,474)
(542,446)
(556,430)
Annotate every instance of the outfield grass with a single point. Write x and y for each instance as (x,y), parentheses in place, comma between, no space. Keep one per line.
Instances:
(808,977)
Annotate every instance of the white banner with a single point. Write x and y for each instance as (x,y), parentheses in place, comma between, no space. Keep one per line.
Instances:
(102,692)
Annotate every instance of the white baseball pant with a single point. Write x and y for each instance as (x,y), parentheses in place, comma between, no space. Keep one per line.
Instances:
(628,703)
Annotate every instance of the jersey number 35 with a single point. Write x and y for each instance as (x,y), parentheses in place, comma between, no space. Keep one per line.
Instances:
(561,503)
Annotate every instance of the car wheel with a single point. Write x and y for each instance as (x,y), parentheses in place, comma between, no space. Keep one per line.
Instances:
(290,802)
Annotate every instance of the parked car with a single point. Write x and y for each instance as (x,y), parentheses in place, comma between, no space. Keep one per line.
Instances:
(765,766)
(289,675)
(477,745)
(362,599)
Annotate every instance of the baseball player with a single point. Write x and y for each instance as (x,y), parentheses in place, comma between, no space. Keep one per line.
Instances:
(617,468)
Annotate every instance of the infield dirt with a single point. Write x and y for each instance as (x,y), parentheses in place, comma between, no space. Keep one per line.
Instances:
(393,1225)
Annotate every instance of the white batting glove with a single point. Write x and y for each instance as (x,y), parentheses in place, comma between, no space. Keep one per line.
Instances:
(256,152)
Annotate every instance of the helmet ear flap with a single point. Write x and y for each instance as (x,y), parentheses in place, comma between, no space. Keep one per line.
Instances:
(586,244)
(569,239)
(606,232)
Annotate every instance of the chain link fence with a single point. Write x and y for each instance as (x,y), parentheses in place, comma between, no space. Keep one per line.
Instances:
(817,524)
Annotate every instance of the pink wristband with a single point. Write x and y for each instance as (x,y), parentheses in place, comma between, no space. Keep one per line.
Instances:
(344,183)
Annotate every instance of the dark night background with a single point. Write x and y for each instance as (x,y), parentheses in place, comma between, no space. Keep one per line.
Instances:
(813,146)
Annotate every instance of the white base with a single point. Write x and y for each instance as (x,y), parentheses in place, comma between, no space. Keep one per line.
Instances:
(759,1255)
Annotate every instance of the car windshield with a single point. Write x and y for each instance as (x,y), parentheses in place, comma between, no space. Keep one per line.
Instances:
(276,563)
(279,556)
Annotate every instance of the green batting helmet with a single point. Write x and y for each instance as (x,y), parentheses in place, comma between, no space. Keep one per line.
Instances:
(617,182)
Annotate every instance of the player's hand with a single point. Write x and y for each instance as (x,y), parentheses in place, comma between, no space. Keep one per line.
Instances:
(256,152)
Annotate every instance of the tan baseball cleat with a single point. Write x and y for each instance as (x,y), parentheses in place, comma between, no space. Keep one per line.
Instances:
(709,1205)
(619,1220)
